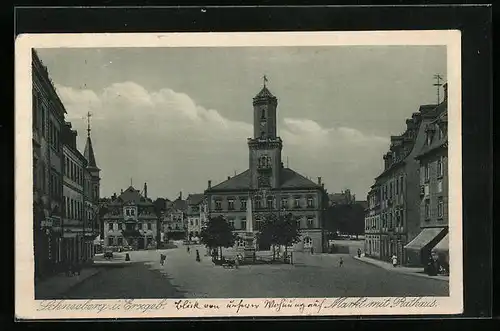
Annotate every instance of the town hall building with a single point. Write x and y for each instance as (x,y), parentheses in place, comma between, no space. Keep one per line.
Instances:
(272,187)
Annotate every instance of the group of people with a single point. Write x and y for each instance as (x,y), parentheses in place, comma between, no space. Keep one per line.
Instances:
(198,259)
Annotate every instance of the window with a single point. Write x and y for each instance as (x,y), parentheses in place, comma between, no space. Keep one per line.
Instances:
(120,241)
(243,204)
(231,223)
(270,202)
(310,202)
(218,205)
(149,226)
(43,118)
(398,218)
(258,203)
(427,209)
(258,224)
(298,224)
(132,212)
(390,190)
(243,224)
(397,186)
(110,226)
(297,202)
(426,172)
(401,184)
(230,204)
(439,186)
(440,167)
(263,114)
(440,207)
(309,222)
(120,226)
(127,212)
(110,241)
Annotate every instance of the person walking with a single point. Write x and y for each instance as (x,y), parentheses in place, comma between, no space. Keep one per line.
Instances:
(394,260)
(341,262)
(359,252)
(188,249)
(198,256)
(162,259)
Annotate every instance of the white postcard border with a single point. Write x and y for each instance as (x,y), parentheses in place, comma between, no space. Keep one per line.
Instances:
(28,308)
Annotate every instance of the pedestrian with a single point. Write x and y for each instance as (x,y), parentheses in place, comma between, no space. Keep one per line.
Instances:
(162,259)
(394,260)
(312,250)
(198,256)
(359,252)
(341,262)
(188,249)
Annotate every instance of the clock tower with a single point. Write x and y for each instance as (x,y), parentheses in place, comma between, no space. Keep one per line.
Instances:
(265,146)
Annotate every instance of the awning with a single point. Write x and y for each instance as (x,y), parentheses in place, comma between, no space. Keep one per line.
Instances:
(423,238)
(443,245)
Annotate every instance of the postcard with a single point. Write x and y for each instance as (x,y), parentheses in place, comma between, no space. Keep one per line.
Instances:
(165,175)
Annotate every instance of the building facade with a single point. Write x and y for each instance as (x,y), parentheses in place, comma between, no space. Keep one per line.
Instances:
(194,210)
(372,223)
(399,188)
(48,205)
(433,189)
(175,220)
(75,166)
(130,221)
(271,187)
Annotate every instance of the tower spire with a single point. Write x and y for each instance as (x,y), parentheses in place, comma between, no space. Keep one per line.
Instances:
(265,80)
(438,85)
(88,123)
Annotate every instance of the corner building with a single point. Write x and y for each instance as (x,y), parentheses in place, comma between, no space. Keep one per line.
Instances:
(272,187)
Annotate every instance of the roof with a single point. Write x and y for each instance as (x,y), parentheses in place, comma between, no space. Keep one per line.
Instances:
(195,199)
(89,153)
(179,204)
(290,179)
(436,143)
(132,195)
(264,94)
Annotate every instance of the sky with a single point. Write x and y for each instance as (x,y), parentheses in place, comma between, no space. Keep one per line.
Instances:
(178,117)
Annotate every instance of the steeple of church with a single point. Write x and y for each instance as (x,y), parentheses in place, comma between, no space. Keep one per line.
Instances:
(264,105)
(89,150)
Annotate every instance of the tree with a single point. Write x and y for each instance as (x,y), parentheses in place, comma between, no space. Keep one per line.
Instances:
(160,206)
(218,233)
(280,230)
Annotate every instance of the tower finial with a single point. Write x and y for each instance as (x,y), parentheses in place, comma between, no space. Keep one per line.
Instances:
(438,85)
(88,123)
(264,78)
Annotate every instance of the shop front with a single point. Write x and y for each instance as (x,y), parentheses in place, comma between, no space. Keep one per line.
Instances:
(419,249)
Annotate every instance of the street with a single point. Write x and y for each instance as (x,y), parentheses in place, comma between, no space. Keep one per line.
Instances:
(311,276)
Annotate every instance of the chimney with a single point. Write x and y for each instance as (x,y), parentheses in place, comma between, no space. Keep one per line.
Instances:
(319,180)
(121,191)
(323,185)
(146,190)
(180,195)
(445,88)
(228,177)
(209,184)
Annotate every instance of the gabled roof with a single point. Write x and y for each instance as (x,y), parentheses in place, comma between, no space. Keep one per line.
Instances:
(436,143)
(131,196)
(195,199)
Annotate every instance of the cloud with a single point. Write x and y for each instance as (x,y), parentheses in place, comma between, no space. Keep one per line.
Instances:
(165,138)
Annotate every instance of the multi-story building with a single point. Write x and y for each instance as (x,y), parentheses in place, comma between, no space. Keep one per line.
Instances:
(399,187)
(194,204)
(271,187)
(48,206)
(75,166)
(343,198)
(372,223)
(174,223)
(433,190)
(130,220)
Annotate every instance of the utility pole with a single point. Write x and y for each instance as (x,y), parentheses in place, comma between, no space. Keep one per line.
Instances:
(438,85)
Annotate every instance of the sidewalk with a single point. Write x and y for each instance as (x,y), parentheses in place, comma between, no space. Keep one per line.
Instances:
(56,286)
(419,272)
